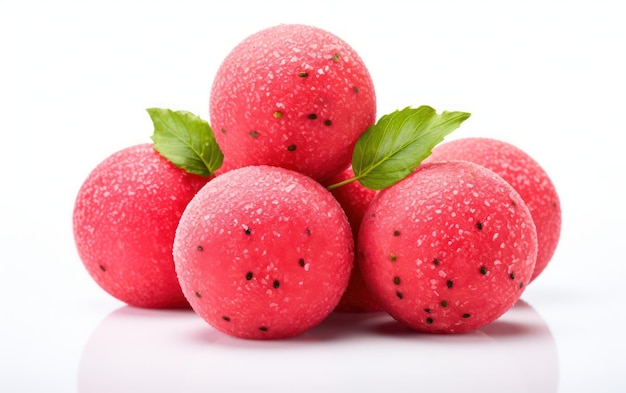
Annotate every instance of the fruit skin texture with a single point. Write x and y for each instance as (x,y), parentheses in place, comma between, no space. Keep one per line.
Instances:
(448,249)
(293,96)
(525,175)
(263,253)
(124,220)
(354,199)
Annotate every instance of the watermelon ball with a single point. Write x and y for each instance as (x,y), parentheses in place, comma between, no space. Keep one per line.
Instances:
(354,199)
(124,220)
(528,178)
(263,253)
(448,249)
(293,96)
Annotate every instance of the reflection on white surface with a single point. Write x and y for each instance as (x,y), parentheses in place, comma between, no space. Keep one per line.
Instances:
(175,351)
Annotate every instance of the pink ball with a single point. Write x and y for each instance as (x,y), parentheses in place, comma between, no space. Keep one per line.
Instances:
(525,175)
(125,217)
(448,249)
(354,199)
(263,253)
(293,96)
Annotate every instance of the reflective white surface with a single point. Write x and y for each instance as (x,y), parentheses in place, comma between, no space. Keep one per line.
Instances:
(161,351)
(76,77)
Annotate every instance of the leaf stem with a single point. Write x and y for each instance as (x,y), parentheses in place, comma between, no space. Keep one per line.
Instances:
(341,183)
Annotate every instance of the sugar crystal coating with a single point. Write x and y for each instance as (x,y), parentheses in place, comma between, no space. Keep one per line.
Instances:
(354,199)
(428,261)
(125,217)
(528,178)
(277,252)
(293,96)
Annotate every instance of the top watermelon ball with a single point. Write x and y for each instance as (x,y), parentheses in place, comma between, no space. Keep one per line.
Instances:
(293,96)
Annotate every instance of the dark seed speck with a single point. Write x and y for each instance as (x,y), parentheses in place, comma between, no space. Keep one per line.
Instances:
(479,225)
(396,233)
(312,116)
(396,280)
(276,284)
(103,268)
(263,329)
(466,315)
(483,270)
(399,295)
(249,276)
(291,148)
(226,318)
(429,320)
(449,283)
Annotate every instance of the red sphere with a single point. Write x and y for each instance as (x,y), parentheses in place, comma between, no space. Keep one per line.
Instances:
(125,218)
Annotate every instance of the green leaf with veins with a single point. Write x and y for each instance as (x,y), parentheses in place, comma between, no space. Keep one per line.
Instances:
(186,140)
(393,147)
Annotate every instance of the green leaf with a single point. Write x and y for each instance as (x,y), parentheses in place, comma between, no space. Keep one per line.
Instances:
(186,140)
(393,147)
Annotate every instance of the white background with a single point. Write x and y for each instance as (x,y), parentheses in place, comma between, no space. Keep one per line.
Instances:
(76,77)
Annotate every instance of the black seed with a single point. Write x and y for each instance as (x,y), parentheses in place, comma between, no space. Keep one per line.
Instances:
(427,310)
(479,225)
(303,74)
(396,233)
(483,270)
(466,315)
(103,268)
(396,280)
(308,232)
(449,283)
(223,131)
(263,329)
(312,116)
(291,147)
(254,134)
(247,231)
(226,318)
(328,122)
(336,57)
(512,276)
(521,285)
(429,320)
(276,284)
(301,262)
(278,114)
(200,248)
(249,276)
(399,295)
(198,295)
(436,262)
(392,257)
(355,89)
(444,304)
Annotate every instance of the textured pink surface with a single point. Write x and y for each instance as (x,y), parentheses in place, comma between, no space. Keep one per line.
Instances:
(125,218)
(354,199)
(293,96)
(525,175)
(448,249)
(263,252)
